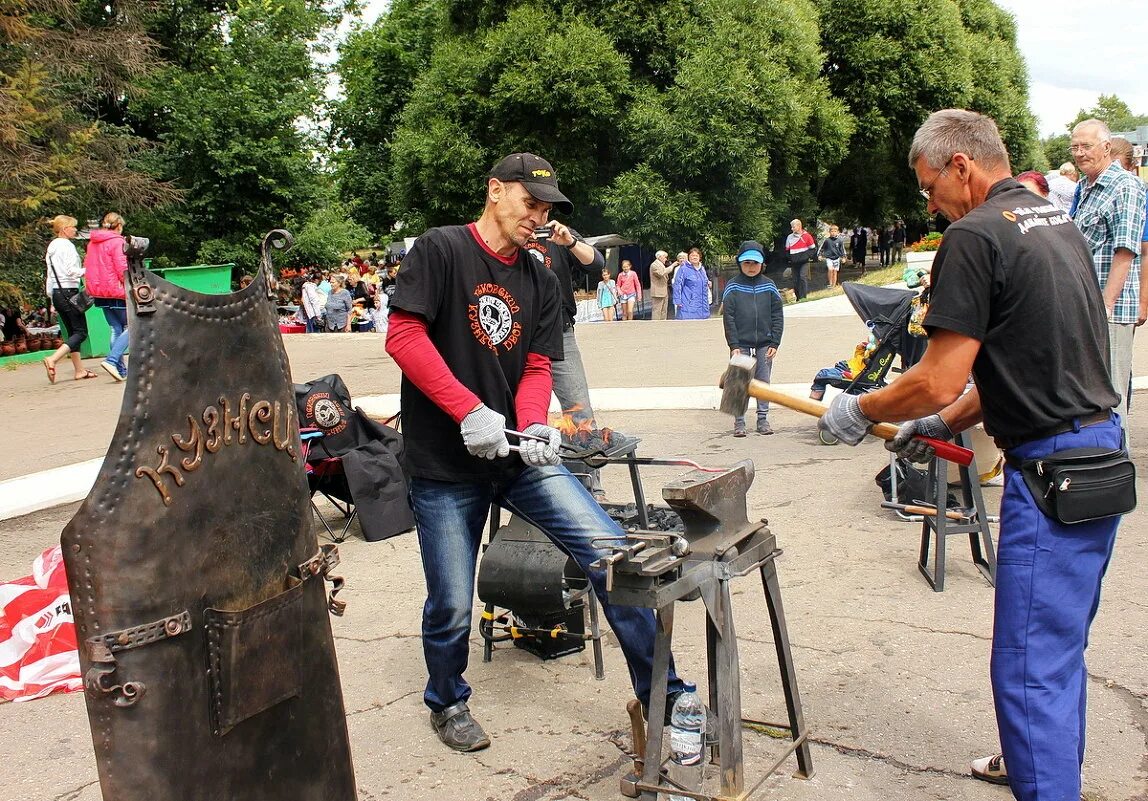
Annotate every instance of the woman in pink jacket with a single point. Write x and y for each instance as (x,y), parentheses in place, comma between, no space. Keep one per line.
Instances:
(105,265)
(630,288)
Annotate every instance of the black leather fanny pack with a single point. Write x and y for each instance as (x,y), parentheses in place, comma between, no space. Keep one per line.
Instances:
(1082,484)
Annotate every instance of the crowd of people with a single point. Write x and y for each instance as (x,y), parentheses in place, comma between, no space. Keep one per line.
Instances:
(355,298)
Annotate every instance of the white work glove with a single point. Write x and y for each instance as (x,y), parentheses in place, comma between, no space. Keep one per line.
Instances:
(538,454)
(482,433)
(914,449)
(845,420)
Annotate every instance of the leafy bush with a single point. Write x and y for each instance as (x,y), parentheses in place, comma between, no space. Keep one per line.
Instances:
(929,243)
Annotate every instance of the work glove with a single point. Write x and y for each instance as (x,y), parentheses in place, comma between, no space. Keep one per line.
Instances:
(539,454)
(844,420)
(483,435)
(914,449)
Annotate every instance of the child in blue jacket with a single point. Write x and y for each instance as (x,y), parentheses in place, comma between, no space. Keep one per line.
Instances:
(753,322)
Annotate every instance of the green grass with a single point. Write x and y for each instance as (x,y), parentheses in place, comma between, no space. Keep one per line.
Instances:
(877,277)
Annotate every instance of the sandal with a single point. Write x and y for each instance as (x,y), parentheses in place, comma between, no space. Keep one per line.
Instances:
(51,370)
(990,769)
(87,374)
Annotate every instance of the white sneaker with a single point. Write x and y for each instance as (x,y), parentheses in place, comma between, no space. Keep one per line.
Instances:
(113,371)
(990,769)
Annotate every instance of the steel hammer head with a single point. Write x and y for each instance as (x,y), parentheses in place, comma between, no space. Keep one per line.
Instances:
(735,384)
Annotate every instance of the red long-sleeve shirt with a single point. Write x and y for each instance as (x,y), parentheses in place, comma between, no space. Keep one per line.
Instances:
(409,344)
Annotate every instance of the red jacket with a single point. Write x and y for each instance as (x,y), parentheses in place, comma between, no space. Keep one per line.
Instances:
(105,264)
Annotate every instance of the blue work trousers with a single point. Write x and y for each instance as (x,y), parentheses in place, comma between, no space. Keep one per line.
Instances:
(1048,591)
(451,518)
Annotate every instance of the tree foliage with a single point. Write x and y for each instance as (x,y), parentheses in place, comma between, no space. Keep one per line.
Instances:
(1114,112)
(702,143)
(681,121)
(57,57)
(228,112)
(377,68)
(896,61)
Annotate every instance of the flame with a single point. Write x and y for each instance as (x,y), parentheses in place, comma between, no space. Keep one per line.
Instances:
(569,427)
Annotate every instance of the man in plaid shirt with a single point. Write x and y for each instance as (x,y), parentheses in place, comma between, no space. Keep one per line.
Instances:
(1110,214)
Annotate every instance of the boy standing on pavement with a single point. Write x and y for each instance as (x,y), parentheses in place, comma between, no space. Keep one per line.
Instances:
(753,323)
(832,250)
(475,322)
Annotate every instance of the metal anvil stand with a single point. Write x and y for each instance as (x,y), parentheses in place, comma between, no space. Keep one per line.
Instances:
(723,545)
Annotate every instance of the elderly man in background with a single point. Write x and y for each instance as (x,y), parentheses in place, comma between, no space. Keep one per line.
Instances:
(800,248)
(1110,213)
(1062,186)
(660,285)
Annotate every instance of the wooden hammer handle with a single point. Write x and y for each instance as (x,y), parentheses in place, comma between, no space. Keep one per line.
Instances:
(885,431)
(638,731)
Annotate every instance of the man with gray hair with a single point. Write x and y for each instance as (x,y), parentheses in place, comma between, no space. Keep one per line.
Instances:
(1110,214)
(1062,186)
(1041,386)
(660,285)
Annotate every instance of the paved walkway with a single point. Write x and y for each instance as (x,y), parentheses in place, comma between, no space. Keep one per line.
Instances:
(58,434)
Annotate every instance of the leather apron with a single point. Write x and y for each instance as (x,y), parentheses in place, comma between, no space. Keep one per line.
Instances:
(196,579)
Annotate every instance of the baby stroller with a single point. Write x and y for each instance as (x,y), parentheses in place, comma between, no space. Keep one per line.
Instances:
(887,312)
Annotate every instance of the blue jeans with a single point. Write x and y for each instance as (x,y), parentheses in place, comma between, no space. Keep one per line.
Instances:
(1048,591)
(763,369)
(828,375)
(451,518)
(116,313)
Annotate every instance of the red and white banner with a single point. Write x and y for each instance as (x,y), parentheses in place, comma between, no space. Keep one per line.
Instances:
(37,634)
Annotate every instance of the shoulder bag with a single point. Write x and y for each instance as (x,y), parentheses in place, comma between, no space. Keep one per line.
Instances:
(82,301)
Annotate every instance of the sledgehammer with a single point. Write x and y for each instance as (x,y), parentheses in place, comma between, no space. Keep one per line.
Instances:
(738,386)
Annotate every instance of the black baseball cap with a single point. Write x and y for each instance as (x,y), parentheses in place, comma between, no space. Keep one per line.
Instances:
(537,175)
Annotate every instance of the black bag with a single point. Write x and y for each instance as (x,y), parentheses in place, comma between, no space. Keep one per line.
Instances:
(81,300)
(1082,484)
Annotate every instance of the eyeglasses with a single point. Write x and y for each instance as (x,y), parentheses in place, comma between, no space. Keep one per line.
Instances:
(927,191)
(1082,148)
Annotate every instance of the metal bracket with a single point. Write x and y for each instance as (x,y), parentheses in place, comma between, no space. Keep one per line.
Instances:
(143,293)
(321,564)
(102,649)
(277,239)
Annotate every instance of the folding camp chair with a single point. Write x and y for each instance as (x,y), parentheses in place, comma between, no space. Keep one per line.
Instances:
(326,477)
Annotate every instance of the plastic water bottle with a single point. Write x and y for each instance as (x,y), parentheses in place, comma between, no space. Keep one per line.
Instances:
(687,730)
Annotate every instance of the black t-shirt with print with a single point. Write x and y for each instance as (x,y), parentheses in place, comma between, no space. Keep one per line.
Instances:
(483,316)
(1016,274)
(559,260)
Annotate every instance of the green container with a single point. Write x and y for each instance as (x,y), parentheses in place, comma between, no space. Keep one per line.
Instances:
(208,279)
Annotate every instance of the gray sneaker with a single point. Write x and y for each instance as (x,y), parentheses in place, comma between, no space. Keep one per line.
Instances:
(458,730)
(739,429)
(763,427)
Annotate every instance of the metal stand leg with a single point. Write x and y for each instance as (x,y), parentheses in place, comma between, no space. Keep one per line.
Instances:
(935,529)
(656,714)
(596,634)
(725,685)
(639,496)
(788,674)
